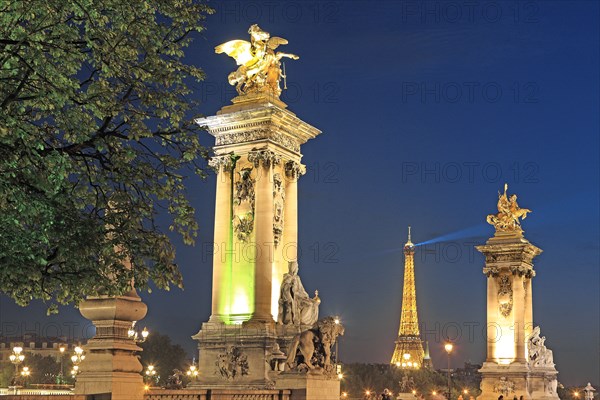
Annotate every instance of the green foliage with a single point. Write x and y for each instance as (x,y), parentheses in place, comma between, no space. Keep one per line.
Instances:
(7,372)
(377,377)
(164,355)
(43,369)
(96,137)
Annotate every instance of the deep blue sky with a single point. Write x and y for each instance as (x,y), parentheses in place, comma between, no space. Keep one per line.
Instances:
(398,89)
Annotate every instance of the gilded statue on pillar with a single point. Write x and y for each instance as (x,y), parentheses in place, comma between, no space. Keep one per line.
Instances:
(259,65)
(509,216)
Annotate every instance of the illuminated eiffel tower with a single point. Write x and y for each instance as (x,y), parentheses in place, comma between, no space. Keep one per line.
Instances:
(409,346)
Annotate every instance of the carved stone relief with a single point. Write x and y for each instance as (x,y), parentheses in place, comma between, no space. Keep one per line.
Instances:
(232,363)
(505,295)
(257,134)
(504,386)
(243,201)
(278,204)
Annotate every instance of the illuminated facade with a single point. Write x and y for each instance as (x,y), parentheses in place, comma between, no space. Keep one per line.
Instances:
(409,346)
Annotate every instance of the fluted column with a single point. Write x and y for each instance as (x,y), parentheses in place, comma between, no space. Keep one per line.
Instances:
(293,171)
(492,327)
(263,161)
(222,233)
(519,317)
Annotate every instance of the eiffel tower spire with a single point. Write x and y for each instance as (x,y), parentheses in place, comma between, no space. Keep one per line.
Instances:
(409,347)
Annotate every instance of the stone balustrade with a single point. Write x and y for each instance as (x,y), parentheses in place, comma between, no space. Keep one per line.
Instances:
(248,394)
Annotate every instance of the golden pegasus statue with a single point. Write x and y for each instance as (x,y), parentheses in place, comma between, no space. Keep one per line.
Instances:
(509,213)
(259,65)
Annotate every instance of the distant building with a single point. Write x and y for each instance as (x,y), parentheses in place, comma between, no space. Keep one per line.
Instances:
(409,346)
(469,374)
(32,344)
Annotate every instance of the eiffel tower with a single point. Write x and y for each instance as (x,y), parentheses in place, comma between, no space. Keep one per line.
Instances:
(409,346)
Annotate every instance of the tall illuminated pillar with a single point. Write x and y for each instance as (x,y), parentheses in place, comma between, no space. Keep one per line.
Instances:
(509,369)
(257,161)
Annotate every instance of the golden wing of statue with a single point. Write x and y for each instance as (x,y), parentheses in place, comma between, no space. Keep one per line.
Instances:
(275,42)
(236,49)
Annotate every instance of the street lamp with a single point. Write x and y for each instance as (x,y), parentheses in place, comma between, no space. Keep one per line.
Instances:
(150,372)
(337,321)
(62,349)
(133,334)
(448,347)
(76,359)
(17,358)
(25,374)
(192,372)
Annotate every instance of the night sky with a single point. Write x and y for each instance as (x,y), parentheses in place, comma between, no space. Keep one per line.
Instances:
(426,109)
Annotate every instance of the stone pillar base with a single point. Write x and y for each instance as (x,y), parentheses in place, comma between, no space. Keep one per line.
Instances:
(543,384)
(120,385)
(518,379)
(507,380)
(306,386)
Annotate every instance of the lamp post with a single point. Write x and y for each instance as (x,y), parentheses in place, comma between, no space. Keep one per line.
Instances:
(76,359)
(133,334)
(337,354)
(150,373)
(17,358)
(192,372)
(25,374)
(448,347)
(62,349)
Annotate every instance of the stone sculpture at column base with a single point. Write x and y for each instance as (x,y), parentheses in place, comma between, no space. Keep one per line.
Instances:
(110,365)
(241,356)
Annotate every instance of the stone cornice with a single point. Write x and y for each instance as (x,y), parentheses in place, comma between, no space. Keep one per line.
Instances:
(265,121)
(516,258)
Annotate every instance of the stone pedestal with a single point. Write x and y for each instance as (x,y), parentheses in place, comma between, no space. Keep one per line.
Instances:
(110,364)
(309,386)
(543,383)
(241,356)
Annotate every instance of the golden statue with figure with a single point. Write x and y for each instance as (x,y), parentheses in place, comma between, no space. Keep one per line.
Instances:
(509,214)
(259,65)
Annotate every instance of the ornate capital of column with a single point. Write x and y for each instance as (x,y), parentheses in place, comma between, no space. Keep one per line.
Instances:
(294,169)
(267,157)
(225,161)
(491,271)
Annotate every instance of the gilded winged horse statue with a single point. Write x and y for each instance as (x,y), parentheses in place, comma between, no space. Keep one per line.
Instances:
(259,65)
(509,216)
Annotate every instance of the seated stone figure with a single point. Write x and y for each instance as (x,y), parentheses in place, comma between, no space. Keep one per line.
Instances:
(295,305)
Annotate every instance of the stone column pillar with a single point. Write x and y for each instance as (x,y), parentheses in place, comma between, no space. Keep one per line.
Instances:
(222,239)
(293,171)
(111,365)
(263,161)
(508,259)
(491,320)
(519,317)
(528,306)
